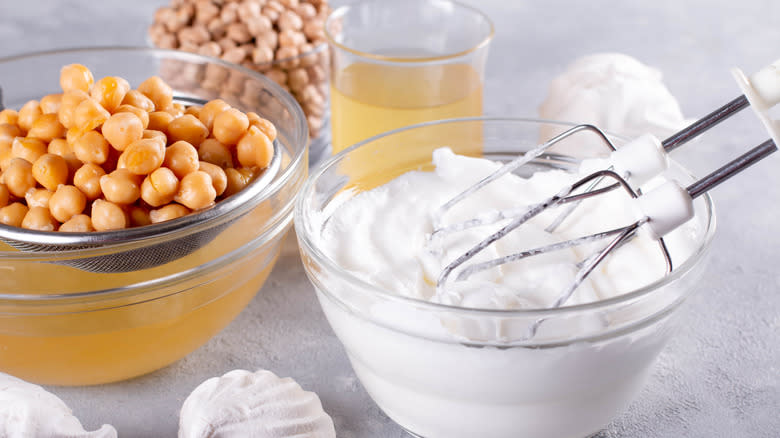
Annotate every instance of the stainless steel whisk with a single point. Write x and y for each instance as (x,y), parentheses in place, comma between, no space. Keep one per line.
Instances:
(664,208)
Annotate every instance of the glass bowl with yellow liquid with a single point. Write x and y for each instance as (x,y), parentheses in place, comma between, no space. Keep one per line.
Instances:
(64,325)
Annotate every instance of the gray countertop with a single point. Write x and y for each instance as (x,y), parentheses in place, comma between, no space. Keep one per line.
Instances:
(718,378)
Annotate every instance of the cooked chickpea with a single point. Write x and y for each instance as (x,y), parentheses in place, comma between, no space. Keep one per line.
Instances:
(13,214)
(109,92)
(139,100)
(169,212)
(6,155)
(8,132)
(182,158)
(193,111)
(237,179)
(60,147)
(210,111)
(18,177)
(50,103)
(158,91)
(156,135)
(107,216)
(47,127)
(87,179)
(175,109)
(264,125)
(217,174)
(40,219)
(187,128)
(9,116)
(159,187)
(140,113)
(120,187)
(214,152)
(5,195)
(27,114)
(28,148)
(121,129)
(67,202)
(89,114)
(91,147)
(142,157)
(139,216)
(67,112)
(229,126)
(76,77)
(38,198)
(50,171)
(80,223)
(254,148)
(159,121)
(196,191)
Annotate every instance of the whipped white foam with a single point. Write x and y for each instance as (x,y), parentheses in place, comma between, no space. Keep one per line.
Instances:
(260,404)
(615,92)
(29,411)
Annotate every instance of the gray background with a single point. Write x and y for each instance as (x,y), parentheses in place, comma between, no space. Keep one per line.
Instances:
(718,378)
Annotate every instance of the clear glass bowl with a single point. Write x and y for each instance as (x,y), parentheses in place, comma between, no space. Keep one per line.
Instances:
(436,384)
(61,325)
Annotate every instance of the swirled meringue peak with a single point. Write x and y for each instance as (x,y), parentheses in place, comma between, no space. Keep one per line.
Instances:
(29,411)
(259,405)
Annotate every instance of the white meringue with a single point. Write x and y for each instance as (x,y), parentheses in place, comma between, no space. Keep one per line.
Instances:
(260,405)
(615,92)
(29,411)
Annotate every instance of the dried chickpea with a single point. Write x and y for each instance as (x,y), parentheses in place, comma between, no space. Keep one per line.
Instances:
(50,103)
(229,126)
(107,216)
(159,187)
(120,187)
(27,115)
(66,202)
(50,171)
(87,179)
(38,198)
(89,114)
(159,121)
(168,212)
(8,132)
(210,110)
(80,223)
(196,191)
(5,195)
(9,116)
(47,127)
(142,157)
(137,99)
(28,148)
(217,174)
(237,179)
(182,158)
(187,128)
(60,147)
(254,148)
(13,214)
(109,92)
(70,100)
(158,91)
(139,216)
(121,129)
(214,152)
(262,124)
(91,147)
(39,218)
(140,113)
(75,77)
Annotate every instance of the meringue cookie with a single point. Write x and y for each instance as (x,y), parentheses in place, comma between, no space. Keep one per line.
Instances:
(259,405)
(615,92)
(29,411)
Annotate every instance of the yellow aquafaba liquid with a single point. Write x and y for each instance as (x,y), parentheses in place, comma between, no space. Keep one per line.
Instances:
(369,99)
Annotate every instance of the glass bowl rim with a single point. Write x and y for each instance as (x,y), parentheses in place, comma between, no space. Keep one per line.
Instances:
(308,247)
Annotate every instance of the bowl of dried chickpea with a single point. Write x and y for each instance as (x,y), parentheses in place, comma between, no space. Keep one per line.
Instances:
(140,209)
(282,39)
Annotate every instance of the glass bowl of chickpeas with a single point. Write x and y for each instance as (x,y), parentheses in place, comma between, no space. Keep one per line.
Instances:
(140,211)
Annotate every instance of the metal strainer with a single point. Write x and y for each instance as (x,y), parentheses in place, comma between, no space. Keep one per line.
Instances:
(140,256)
